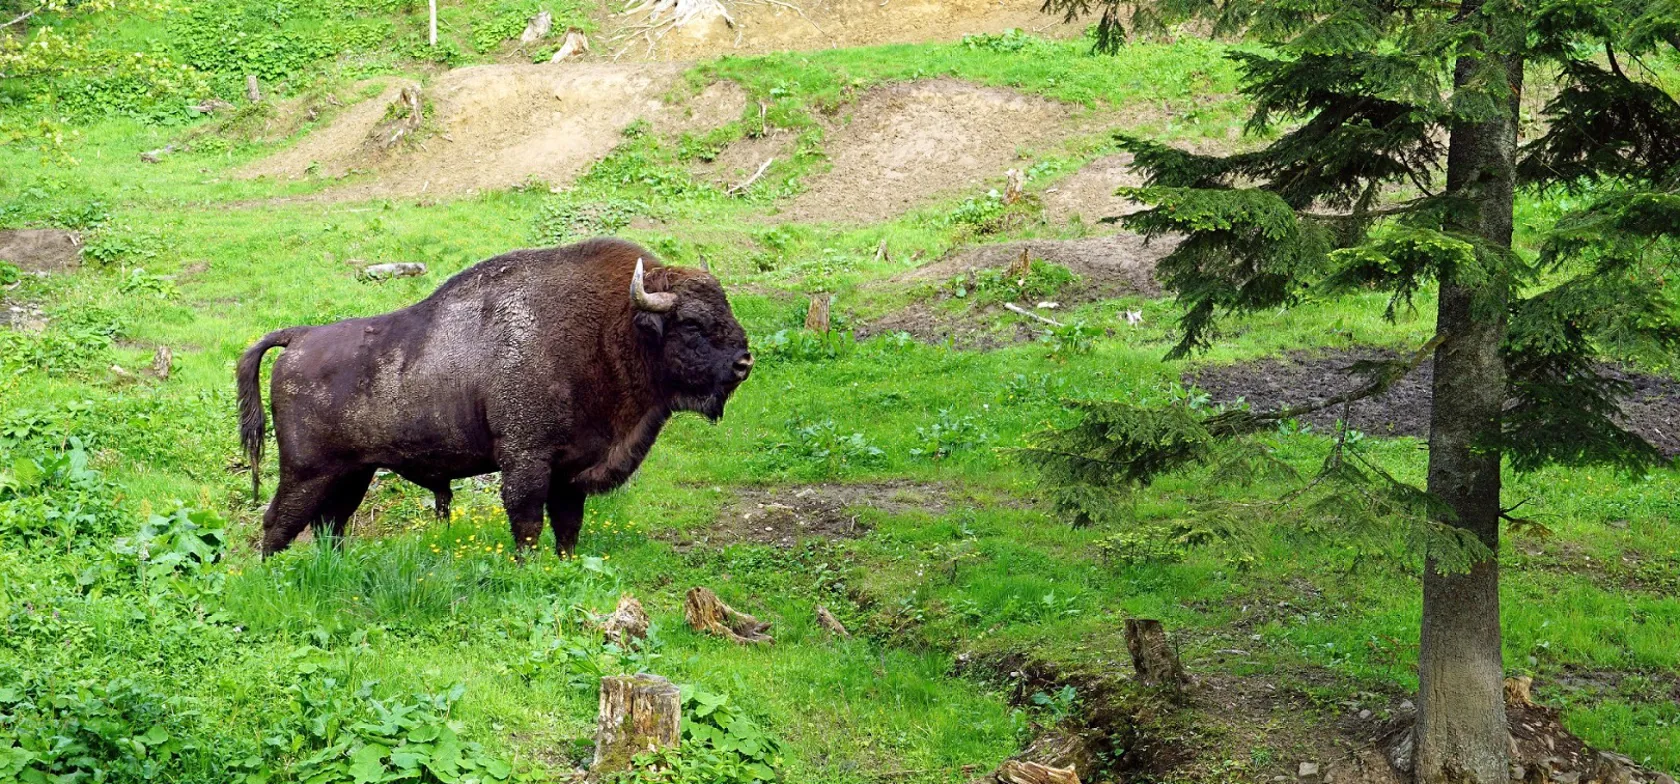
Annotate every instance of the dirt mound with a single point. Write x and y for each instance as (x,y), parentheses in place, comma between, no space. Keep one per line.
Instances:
(763,26)
(41,250)
(1651,411)
(1087,195)
(1113,266)
(908,144)
(782,516)
(498,126)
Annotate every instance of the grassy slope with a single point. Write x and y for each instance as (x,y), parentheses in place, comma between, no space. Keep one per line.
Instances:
(985,575)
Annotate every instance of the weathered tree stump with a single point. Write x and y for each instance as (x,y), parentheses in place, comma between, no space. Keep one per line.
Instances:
(576,43)
(1021,266)
(162,359)
(827,620)
(816,318)
(1154,660)
(1016,772)
(1519,691)
(403,120)
(253,90)
(1015,188)
(537,29)
(639,713)
(628,622)
(707,613)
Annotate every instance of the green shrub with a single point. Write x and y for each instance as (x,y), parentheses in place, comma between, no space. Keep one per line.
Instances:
(949,434)
(56,495)
(993,285)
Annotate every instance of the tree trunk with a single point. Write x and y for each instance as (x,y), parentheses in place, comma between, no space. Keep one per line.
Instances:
(638,713)
(1153,658)
(1462,736)
(431,36)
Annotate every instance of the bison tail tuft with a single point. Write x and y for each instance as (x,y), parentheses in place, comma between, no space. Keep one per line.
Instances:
(252,422)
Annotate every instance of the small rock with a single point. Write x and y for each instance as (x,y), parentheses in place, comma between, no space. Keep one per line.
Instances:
(1518,772)
(398,270)
(1365,714)
(1308,773)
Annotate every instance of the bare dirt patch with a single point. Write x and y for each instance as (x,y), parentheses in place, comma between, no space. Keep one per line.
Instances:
(762,27)
(1651,411)
(41,250)
(908,144)
(783,516)
(498,126)
(1112,266)
(1087,196)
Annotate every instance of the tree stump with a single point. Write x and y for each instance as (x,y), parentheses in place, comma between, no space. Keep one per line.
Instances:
(1518,691)
(628,622)
(253,90)
(576,43)
(162,359)
(707,613)
(1015,188)
(639,713)
(816,318)
(537,29)
(827,620)
(1155,661)
(1020,267)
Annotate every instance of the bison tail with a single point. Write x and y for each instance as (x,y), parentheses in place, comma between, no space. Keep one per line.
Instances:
(252,423)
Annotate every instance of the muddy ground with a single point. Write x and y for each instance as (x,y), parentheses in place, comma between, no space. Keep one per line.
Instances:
(41,250)
(783,516)
(1111,266)
(1651,411)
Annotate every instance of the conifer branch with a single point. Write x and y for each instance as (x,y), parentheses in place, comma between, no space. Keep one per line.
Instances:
(1231,423)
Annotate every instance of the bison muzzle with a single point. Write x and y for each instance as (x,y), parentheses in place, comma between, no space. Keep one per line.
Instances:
(556,367)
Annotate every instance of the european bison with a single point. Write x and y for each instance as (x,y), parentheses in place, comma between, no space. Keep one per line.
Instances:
(555,366)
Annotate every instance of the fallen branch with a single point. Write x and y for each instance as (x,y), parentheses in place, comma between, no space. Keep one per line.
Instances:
(1014,308)
(154,156)
(404,269)
(742,188)
(23,16)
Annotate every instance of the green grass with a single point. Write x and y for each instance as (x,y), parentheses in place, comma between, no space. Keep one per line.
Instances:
(422,606)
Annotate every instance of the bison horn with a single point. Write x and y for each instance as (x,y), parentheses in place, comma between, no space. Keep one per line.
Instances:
(660,302)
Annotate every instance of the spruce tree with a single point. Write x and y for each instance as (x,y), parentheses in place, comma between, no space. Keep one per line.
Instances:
(1394,149)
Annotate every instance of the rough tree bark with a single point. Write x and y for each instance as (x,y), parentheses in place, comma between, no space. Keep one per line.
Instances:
(707,613)
(1153,658)
(638,713)
(1462,735)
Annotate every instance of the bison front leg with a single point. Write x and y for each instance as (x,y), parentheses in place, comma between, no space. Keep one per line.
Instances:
(524,492)
(565,516)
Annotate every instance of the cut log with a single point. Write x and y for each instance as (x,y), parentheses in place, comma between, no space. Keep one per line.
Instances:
(627,623)
(816,318)
(404,269)
(576,43)
(537,29)
(161,361)
(707,613)
(1014,772)
(827,620)
(638,713)
(1153,658)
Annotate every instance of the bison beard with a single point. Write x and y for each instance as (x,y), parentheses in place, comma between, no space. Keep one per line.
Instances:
(557,367)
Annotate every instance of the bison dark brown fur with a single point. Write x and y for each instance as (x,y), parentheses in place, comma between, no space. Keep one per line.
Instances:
(556,366)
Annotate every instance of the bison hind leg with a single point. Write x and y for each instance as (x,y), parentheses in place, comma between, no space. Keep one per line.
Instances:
(346,494)
(296,505)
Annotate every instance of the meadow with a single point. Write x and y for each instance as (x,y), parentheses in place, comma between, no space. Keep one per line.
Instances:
(142,636)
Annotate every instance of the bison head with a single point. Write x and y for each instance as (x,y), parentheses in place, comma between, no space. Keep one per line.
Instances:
(702,349)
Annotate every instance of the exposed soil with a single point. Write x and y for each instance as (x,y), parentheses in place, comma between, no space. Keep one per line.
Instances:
(762,27)
(41,250)
(783,516)
(1108,267)
(498,126)
(908,144)
(1651,411)
(1087,196)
